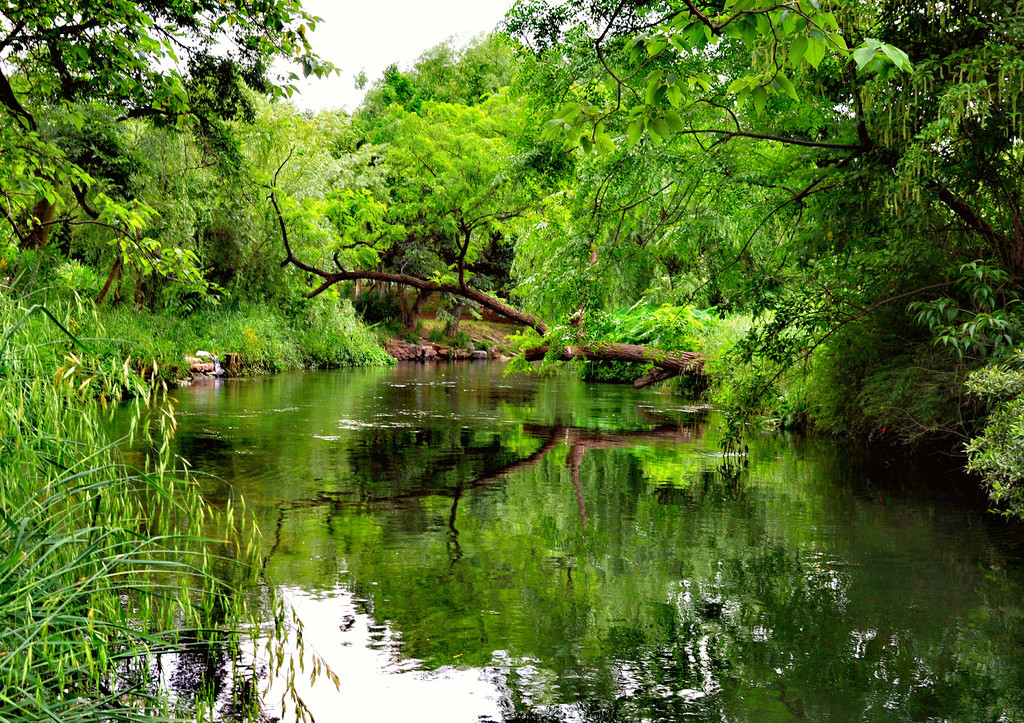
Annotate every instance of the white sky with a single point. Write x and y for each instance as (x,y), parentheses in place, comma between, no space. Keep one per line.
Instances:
(369,35)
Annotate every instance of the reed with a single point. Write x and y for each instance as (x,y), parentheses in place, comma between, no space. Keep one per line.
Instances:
(109,561)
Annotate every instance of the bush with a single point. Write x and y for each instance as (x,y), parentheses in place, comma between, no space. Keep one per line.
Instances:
(77,278)
(997,453)
(374,307)
(330,335)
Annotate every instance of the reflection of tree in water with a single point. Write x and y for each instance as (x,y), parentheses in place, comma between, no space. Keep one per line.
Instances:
(770,636)
(745,623)
(395,469)
(635,576)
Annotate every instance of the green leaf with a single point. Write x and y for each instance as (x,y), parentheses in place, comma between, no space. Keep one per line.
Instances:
(760,97)
(675,123)
(815,52)
(797,49)
(661,127)
(675,95)
(569,111)
(839,41)
(898,57)
(828,20)
(604,143)
(786,86)
(862,56)
(738,85)
(634,130)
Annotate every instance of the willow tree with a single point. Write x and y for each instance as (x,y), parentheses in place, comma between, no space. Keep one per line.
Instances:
(887,137)
(458,191)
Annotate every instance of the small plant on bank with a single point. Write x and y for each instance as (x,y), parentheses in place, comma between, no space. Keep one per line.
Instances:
(997,454)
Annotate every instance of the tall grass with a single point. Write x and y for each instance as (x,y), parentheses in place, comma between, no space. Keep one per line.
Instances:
(103,565)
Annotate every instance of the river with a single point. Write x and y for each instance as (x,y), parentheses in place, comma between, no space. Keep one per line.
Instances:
(462,546)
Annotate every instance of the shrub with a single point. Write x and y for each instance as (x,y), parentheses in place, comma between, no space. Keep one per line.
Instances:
(322,334)
(997,453)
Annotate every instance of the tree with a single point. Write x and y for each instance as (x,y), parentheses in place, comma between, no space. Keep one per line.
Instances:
(132,56)
(457,192)
(451,191)
(885,261)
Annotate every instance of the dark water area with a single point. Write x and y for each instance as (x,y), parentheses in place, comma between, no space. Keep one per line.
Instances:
(462,546)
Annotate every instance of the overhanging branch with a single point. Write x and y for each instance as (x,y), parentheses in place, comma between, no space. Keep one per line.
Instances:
(666,364)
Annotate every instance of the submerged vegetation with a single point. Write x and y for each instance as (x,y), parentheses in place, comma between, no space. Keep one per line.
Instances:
(807,213)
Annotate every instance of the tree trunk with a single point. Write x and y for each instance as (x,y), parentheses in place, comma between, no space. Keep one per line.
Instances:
(39,234)
(411,314)
(115,273)
(406,311)
(452,327)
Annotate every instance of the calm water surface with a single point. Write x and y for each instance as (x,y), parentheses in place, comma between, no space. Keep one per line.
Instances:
(467,547)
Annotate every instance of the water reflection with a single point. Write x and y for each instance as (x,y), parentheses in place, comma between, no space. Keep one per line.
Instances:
(524,549)
(377,681)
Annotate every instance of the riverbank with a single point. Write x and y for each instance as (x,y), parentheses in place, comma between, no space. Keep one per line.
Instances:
(484,339)
(104,564)
(265,339)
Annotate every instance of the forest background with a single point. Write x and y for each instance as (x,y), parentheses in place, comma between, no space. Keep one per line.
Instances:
(808,212)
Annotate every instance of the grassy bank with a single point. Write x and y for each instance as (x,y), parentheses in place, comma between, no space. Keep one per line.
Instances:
(321,336)
(110,559)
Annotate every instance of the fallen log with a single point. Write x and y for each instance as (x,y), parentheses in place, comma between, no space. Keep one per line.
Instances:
(666,364)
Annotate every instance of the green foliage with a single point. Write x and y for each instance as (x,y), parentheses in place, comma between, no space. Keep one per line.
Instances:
(376,308)
(649,77)
(102,565)
(997,453)
(672,328)
(77,278)
(126,58)
(447,73)
(462,340)
(989,327)
(323,333)
(665,327)
(329,334)
(910,195)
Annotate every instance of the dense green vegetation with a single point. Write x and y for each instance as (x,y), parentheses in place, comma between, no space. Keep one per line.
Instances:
(102,565)
(817,205)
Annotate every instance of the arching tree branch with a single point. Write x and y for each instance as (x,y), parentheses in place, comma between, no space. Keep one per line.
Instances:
(666,364)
